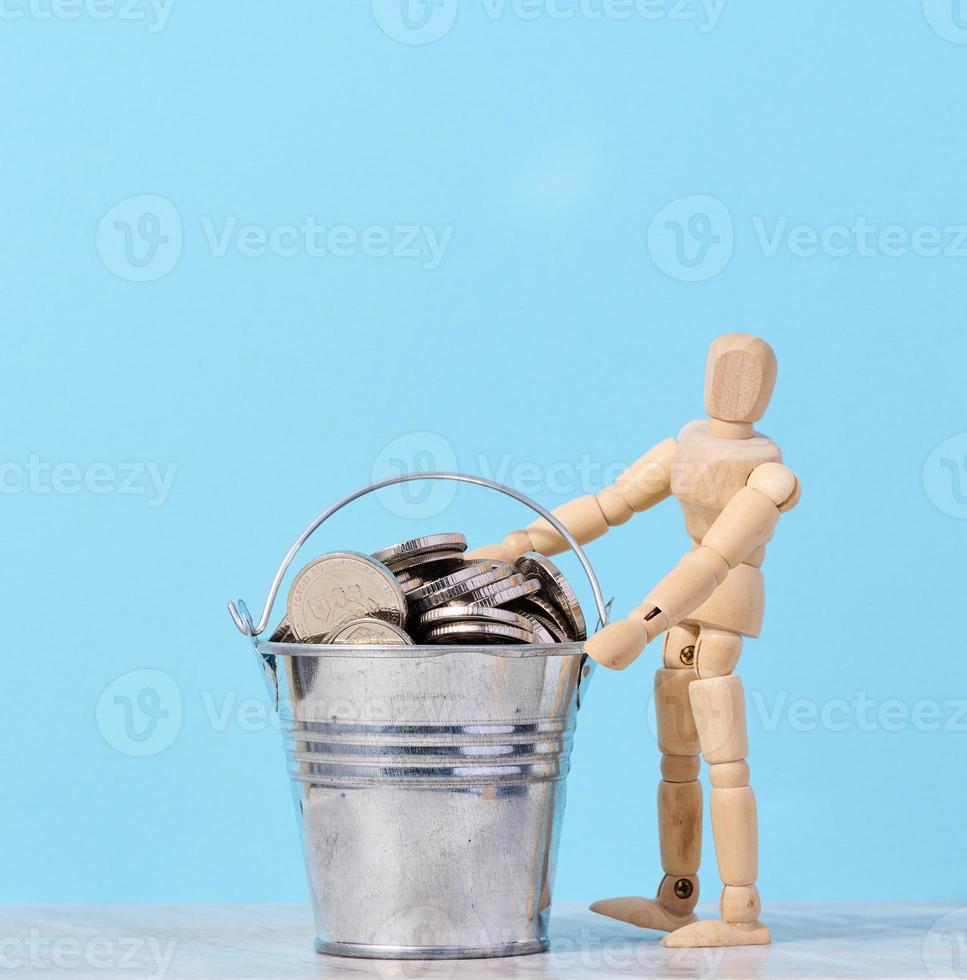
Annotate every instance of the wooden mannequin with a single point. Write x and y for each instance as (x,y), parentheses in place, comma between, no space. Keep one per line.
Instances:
(732,487)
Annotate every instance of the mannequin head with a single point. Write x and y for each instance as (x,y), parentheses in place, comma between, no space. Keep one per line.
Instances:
(739,377)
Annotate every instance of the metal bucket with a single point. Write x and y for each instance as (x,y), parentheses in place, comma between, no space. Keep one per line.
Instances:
(429,781)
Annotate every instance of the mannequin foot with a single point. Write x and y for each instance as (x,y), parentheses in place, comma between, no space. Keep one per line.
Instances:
(646,913)
(715,932)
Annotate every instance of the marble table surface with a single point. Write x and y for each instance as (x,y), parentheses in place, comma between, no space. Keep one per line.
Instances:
(247,940)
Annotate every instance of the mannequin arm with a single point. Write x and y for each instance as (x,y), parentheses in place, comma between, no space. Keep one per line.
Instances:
(641,486)
(745,524)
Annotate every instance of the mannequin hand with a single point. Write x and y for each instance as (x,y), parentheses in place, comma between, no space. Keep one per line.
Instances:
(620,643)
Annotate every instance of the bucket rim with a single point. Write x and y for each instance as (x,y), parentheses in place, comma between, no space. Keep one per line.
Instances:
(416,651)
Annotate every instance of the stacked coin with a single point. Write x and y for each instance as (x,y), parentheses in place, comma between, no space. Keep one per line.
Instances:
(425,589)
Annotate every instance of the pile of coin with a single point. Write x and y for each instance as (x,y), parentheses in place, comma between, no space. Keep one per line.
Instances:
(426,591)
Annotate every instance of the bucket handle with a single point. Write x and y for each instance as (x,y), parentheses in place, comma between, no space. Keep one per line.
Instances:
(240,614)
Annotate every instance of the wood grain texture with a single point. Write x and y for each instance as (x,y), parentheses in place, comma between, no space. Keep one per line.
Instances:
(677,734)
(736,833)
(740,374)
(718,707)
(680,827)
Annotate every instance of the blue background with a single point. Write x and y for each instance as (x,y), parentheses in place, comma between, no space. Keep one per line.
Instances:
(549,333)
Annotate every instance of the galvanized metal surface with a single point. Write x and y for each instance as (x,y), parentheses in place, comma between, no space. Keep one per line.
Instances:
(430,791)
(429,781)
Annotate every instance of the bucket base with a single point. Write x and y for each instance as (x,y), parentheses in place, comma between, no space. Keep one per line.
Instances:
(363,951)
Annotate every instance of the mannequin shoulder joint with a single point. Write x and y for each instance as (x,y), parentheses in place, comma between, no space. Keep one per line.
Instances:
(777,482)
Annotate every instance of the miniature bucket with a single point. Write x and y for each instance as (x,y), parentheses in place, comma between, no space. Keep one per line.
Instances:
(429,781)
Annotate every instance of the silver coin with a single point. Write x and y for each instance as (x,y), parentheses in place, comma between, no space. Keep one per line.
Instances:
(471,571)
(557,634)
(557,588)
(340,587)
(470,613)
(410,582)
(419,546)
(541,633)
(283,633)
(501,585)
(479,633)
(437,561)
(505,596)
(466,590)
(537,605)
(370,630)
(504,566)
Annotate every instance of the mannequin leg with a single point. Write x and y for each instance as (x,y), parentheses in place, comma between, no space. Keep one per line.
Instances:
(718,706)
(679,797)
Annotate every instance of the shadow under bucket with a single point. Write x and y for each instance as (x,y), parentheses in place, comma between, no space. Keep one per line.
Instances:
(428,781)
